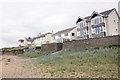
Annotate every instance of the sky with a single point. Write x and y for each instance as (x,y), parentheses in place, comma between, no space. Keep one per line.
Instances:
(28,18)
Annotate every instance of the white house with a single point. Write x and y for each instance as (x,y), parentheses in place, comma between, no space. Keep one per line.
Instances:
(42,39)
(98,24)
(65,35)
(28,41)
(21,42)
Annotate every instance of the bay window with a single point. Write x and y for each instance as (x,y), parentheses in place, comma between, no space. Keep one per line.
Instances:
(97,20)
(82,24)
(83,32)
(98,30)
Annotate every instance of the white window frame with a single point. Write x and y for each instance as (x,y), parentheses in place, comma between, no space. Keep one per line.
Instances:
(66,34)
(83,23)
(84,32)
(97,20)
(93,30)
(100,29)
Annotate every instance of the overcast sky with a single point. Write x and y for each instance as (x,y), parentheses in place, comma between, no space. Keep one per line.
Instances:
(24,18)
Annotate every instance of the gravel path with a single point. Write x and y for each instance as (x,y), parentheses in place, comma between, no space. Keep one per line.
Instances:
(14,67)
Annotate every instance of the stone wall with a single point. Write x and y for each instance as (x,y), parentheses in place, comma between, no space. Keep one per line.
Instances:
(53,47)
(13,52)
(91,43)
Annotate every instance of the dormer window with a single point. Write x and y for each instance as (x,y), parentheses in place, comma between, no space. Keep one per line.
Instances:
(82,24)
(97,20)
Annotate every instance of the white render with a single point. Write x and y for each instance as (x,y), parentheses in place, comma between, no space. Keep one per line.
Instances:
(43,40)
(60,39)
(111,22)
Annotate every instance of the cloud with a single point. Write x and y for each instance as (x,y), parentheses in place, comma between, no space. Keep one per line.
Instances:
(24,18)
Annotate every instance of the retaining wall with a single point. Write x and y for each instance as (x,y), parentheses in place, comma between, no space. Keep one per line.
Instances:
(13,52)
(53,47)
(91,43)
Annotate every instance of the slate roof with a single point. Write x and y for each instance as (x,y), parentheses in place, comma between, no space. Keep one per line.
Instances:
(64,31)
(29,39)
(87,17)
(42,35)
(105,13)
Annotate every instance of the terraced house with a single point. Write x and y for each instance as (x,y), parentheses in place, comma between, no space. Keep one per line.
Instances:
(42,39)
(65,35)
(98,25)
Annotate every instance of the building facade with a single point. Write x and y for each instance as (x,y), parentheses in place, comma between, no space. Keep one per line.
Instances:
(42,39)
(21,42)
(119,15)
(65,35)
(28,41)
(98,25)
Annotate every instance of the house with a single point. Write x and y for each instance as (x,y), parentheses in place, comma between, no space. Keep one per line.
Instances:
(65,35)
(42,39)
(21,42)
(98,25)
(28,41)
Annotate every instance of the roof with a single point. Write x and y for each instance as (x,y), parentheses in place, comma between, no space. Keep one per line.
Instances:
(64,31)
(87,17)
(42,35)
(107,12)
(29,39)
(104,13)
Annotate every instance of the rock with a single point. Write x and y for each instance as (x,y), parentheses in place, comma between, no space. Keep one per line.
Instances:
(8,60)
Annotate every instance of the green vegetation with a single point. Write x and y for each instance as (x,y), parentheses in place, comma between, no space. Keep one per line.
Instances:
(38,47)
(13,48)
(32,55)
(99,62)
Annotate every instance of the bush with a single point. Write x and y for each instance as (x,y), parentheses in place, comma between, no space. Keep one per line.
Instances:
(38,47)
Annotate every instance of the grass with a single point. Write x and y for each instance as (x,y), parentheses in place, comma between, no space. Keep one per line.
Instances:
(94,63)
(13,48)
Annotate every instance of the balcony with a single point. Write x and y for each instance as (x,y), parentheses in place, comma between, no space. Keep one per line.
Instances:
(102,34)
(83,37)
(86,27)
(98,25)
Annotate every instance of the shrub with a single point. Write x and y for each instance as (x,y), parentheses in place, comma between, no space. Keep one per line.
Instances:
(38,47)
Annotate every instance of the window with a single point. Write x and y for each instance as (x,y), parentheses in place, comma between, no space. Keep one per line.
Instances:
(83,32)
(73,34)
(82,24)
(66,34)
(42,38)
(101,19)
(97,20)
(114,21)
(93,30)
(60,35)
(54,37)
(97,30)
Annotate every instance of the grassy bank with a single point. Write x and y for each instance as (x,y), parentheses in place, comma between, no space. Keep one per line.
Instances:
(101,62)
